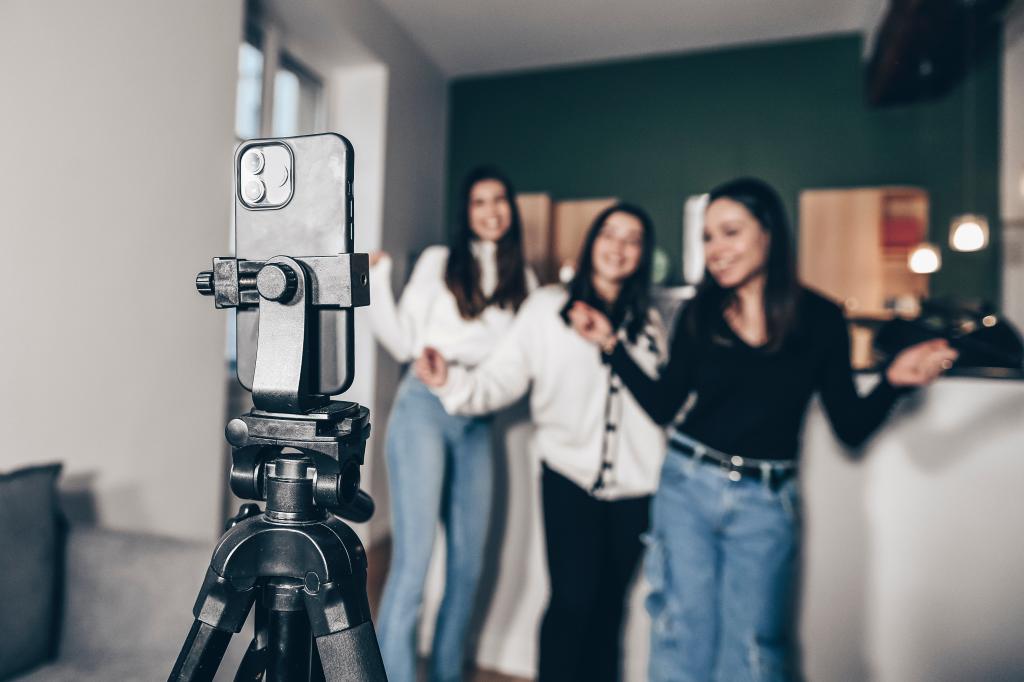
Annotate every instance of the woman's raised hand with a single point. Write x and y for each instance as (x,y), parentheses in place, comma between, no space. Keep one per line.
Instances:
(592,325)
(431,368)
(921,363)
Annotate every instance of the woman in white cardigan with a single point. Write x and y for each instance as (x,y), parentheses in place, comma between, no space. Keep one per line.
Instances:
(460,299)
(600,451)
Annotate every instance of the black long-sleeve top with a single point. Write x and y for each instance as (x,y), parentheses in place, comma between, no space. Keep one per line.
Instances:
(751,401)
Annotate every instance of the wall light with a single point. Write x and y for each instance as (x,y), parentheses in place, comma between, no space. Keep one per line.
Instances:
(924,259)
(968,232)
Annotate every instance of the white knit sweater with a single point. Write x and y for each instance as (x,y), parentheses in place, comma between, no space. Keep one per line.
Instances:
(428,315)
(586,422)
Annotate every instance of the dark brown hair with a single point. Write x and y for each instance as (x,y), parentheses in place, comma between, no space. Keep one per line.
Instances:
(631,307)
(462,274)
(781,290)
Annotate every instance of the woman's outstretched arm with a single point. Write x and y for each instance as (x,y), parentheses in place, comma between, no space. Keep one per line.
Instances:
(396,326)
(500,380)
(661,398)
(854,417)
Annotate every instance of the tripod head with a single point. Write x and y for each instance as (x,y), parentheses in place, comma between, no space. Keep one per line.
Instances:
(288,293)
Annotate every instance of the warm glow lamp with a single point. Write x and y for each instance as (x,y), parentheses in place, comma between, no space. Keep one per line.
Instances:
(924,259)
(968,232)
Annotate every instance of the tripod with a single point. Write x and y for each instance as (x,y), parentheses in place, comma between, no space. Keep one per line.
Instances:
(297,560)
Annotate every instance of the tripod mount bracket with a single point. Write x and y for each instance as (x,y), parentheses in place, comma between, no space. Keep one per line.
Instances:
(288,292)
(339,281)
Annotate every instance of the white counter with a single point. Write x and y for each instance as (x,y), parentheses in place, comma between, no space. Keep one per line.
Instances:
(914,557)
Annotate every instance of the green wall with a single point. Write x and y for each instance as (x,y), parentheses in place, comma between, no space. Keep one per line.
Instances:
(655,131)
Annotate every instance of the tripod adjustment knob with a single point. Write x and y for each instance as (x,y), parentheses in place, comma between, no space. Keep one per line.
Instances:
(237,432)
(277,282)
(204,282)
(244,512)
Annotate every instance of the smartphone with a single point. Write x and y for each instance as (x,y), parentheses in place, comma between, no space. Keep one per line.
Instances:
(293,197)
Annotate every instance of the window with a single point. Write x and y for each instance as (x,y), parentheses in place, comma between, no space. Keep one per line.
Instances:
(248,100)
(296,99)
(295,91)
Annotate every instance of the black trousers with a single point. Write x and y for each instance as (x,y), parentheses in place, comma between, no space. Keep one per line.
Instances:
(593,547)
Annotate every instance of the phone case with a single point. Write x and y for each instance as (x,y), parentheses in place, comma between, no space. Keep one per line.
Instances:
(316,221)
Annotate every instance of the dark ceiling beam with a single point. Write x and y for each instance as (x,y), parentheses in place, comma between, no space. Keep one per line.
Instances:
(925,47)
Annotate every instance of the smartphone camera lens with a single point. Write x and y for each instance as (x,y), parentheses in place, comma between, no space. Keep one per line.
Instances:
(254,190)
(252,161)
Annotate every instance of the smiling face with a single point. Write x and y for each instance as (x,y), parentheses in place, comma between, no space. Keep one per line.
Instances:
(618,247)
(735,244)
(490,213)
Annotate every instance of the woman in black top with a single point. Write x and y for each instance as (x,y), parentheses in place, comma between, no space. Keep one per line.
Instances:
(749,351)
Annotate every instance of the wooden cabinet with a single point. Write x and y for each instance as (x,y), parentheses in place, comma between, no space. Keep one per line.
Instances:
(572,220)
(553,231)
(854,245)
(535,213)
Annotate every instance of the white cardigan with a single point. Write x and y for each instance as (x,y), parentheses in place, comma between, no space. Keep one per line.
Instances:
(586,421)
(428,315)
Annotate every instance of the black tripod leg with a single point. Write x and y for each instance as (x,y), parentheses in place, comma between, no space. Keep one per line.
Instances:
(290,645)
(352,654)
(316,667)
(225,606)
(345,639)
(254,663)
(201,654)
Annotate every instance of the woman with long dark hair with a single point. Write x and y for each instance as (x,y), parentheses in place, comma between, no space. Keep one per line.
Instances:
(461,300)
(600,452)
(750,350)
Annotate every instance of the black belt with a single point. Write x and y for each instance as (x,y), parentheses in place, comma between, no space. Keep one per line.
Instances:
(772,472)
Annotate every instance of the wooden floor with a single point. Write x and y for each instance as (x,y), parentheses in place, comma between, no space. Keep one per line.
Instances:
(378,558)
(491,676)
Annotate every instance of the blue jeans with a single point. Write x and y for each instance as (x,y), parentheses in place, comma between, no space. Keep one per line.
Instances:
(439,467)
(722,563)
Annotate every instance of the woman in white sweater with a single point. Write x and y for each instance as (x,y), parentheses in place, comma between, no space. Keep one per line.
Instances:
(600,451)
(460,299)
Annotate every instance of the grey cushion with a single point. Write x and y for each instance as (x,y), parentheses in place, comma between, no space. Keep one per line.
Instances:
(128,608)
(29,566)
(136,668)
(130,595)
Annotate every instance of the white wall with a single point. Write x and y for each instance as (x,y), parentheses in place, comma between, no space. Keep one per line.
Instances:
(119,134)
(117,123)
(1012,171)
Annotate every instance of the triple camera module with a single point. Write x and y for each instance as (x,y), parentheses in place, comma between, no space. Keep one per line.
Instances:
(264,176)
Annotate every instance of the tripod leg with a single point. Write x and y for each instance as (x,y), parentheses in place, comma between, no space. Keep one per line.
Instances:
(225,607)
(345,639)
(201,654)
(352,654)
(290,644)
(316,666)
(254,663)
